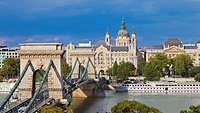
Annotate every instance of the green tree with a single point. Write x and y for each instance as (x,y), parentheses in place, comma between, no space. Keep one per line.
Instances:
(125,70)
(154,68)
(140,69)
(192,109)
(151,72)
(11,68)
(183,65)
(133,107)
(1,78)
(55,109)
(197,77)
(115,69)
(122,71)
(66,68)
(109,71)
(194,70)
(160,61)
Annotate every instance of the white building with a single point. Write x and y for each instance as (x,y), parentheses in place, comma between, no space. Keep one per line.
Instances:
(7,53)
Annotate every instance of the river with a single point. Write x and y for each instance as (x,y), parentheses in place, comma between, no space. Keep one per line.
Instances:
(166,103)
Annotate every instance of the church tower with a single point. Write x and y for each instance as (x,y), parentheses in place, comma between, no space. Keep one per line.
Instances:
(107,39)
(133,42)
(123,38)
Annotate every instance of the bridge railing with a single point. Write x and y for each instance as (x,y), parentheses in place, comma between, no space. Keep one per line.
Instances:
(69,84)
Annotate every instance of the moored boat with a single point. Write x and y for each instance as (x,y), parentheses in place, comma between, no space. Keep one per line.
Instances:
(160,87)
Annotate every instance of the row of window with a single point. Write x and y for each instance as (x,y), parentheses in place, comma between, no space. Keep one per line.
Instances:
(163,88)
(161,85)
(179,85)
(14,53)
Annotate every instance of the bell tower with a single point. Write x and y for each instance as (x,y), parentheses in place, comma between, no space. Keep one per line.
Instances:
(107,39)
(133,40)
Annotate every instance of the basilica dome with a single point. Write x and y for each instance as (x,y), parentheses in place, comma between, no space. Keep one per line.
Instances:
(123,32)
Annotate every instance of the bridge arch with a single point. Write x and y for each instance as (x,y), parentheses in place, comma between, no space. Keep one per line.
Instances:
(40,55)
(38,76)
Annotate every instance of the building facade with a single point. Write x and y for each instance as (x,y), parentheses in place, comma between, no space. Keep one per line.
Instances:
(6,52)
(104,54)
(173,47)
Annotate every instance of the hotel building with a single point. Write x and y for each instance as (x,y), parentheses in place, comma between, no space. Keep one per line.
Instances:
(104,54)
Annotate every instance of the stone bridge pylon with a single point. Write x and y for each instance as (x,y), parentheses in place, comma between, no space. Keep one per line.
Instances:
(40,55)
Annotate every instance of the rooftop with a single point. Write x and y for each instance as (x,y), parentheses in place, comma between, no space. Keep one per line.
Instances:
(37,44)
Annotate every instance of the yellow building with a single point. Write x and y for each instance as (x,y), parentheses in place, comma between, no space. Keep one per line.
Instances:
(104,54)
(173,47)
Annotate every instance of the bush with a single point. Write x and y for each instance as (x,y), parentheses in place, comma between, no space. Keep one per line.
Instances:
(192,109)
(133,107)
(55,109)
(1,78)
(197,77)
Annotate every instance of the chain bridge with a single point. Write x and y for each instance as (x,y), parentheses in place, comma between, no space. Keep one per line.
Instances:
(41,78)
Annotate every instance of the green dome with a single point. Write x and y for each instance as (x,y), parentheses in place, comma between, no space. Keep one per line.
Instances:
(122,32)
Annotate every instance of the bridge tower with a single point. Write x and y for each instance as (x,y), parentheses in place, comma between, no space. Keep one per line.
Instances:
(40,55)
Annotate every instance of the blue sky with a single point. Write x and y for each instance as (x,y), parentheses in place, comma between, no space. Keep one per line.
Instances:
(81,20)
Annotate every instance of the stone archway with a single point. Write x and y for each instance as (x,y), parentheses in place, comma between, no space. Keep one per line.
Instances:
(40,55)
(38,76)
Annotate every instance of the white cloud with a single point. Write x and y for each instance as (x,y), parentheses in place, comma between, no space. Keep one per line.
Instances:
(2,41)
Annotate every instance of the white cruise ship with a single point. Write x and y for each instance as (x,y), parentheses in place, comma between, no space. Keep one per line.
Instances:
(6,87)
(161,87)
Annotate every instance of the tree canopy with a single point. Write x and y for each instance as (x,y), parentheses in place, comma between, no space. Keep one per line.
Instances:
(197,77)
(55,109)
(133,107)
(154,68)
(11,68)
(140,68)
(192,109)
(159,65)
(151,72)
(160,60)
(183,65)
(66,68)
(122,71)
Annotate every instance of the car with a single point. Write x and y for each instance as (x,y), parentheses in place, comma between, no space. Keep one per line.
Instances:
(22,109)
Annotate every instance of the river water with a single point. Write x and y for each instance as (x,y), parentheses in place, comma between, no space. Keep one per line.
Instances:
(166,103)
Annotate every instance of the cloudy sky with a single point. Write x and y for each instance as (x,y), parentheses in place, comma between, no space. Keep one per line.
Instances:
(81,20)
